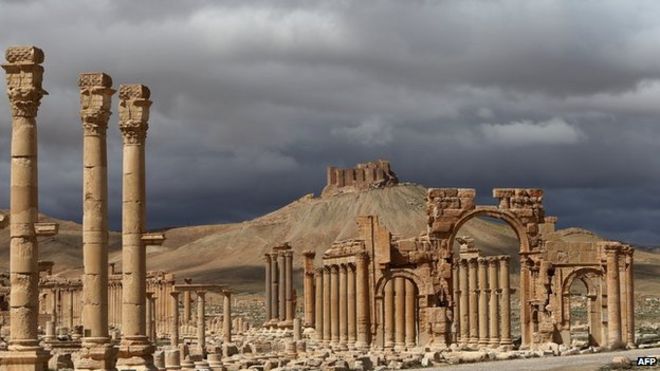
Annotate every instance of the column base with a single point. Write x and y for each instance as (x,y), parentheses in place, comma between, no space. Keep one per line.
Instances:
(24,360)
(135,353)
(96,355)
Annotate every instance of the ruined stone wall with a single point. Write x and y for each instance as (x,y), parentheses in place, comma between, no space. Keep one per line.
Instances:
(364,176)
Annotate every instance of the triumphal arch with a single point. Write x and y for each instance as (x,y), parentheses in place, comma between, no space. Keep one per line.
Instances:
(378,290)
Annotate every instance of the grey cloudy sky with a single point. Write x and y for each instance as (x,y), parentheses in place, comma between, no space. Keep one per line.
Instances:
(252,99)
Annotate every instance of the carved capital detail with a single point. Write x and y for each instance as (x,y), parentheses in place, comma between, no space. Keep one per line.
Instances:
(134,106)
(95,99)
(24,77)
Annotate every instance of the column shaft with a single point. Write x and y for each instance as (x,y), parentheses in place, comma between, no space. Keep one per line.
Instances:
(350,293)
(318,325)
(327,321)
(174,324)
(613,298)
(201,323)
(411,311)
(288,292)
(334,304)
(389,314)
(493,313)
(464,305)
(95,97)
(362,302)
(505,303)
(630,300)
(308,288)
(187,314)
(399,312)
(483,301)
(226,318)
(274,288)
(268,285)
(24,76)
(343,306)
(474,302)
(281,266)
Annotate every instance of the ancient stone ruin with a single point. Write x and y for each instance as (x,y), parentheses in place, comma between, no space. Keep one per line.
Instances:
(365,176)
(373,301)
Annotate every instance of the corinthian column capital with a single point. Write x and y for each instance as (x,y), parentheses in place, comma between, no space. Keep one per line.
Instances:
(134,106)
(24,77)
(95,99)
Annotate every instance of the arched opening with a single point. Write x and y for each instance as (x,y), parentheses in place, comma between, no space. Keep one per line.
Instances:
(578,304)
(400,313)
(491,234)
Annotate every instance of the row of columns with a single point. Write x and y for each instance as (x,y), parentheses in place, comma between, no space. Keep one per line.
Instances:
(482,299)
(279,287)
(341,302)
(400,313)
(63,305)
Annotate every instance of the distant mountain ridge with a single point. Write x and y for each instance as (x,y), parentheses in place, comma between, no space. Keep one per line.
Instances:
(233,253)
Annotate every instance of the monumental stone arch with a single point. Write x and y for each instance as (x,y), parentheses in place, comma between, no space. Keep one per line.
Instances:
(398,296)
(521,208)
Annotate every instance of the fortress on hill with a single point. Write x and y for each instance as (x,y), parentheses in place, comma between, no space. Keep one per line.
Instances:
(375,174)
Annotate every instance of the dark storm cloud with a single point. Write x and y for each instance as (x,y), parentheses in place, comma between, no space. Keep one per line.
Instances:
(252,99)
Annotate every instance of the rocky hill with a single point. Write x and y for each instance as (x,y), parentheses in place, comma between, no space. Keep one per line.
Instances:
(233,253)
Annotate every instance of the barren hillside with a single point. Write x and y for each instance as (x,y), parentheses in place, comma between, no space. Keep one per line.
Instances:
(233,253)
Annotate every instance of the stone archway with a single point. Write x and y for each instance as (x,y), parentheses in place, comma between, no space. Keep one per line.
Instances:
(398,302)
(591,278)
(521,208)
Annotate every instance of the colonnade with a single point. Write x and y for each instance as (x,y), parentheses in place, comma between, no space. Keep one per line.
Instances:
(279,287)
(482,301)
(341,302)
(400,310)
(62,302)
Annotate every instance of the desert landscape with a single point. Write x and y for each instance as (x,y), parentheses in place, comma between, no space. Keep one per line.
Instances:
(332,186)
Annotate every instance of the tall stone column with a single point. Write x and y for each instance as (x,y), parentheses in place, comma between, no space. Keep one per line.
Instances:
(135,350)
(350,294)
(334,304)
(343,306)
(474,302)
(525,314)
(269,292)
(411,300)
(505,303)
(95,100)
(318,320)
(174,324)
(288,292)
(274,288)
(308,287)
(483,301)
(362,302)
(226,317)
(613,297)
(456,310)
(281,266)
(399,312)
(389,314)
(630,300)
(463,301)
(493,312)
(201,323)
(24,77)
(327,320)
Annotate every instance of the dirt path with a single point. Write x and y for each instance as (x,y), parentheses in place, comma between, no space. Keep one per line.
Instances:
(582,362)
